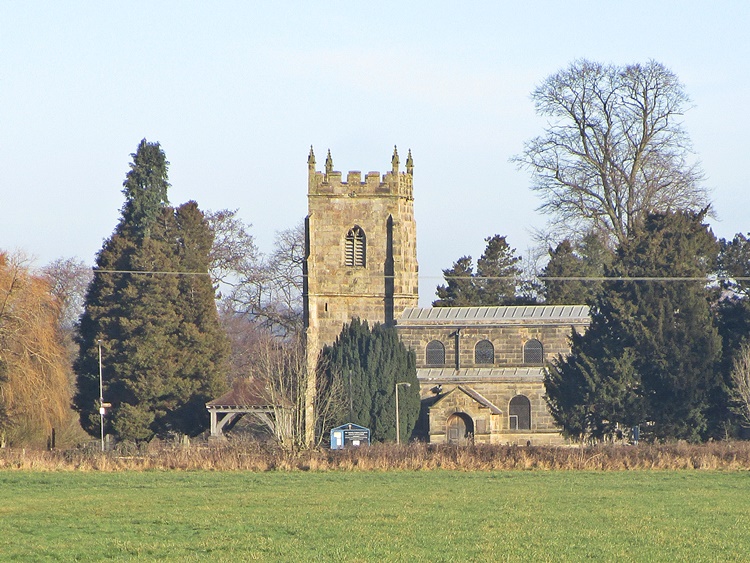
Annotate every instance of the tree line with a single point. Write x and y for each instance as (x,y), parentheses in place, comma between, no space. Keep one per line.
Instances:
(182,304)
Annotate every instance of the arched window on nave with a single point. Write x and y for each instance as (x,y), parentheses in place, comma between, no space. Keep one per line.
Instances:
(533,352)
(435,354)
(484,352)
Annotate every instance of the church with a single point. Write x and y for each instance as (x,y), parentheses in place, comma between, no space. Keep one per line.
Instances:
(480,369)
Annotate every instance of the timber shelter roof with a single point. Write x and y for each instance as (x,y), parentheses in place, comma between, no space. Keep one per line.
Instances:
(245,393)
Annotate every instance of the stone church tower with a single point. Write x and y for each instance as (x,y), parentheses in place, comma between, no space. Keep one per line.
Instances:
(361,252)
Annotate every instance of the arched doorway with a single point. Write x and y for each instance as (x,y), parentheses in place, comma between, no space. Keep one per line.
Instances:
(460,428)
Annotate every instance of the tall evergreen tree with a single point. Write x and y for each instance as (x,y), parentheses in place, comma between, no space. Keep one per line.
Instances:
(459,289)
(145,188)
(651,353)
(152,306)
(494,283)
(374,361)
(498,272)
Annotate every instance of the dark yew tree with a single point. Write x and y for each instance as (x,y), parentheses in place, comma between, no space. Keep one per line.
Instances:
(151,304)
(587,258)
(733,312)
(495,283)
(734,265)
(374,361)
(651,354)
(595,389)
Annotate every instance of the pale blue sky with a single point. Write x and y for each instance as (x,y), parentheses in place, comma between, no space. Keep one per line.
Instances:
(236,92)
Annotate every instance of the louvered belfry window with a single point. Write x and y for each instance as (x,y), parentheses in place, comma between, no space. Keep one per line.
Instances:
(356,248)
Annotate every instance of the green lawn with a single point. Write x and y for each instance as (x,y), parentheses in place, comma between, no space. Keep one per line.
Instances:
(371,516)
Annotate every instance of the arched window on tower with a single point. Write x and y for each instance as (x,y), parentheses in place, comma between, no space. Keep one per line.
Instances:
(435,354)
(519,413)
(355,248)
(533,352)
(484,352)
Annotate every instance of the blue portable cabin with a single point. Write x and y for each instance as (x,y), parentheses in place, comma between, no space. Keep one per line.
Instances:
(349,435)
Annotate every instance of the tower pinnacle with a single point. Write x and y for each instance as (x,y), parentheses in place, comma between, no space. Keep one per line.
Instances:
(329,163)
(311,159)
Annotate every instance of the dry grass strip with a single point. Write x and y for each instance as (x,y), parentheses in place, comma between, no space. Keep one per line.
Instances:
(726,455)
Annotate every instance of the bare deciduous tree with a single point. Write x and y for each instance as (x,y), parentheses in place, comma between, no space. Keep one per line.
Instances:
(277,370)
(69,279)
(268,288)
(285,268)
(233,253)
(271,290)
(614,149)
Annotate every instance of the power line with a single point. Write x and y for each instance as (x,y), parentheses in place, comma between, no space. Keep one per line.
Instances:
(595,278)
(99,271)
(708,279)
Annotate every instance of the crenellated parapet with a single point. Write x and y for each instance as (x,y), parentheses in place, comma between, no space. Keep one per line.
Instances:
(330,182)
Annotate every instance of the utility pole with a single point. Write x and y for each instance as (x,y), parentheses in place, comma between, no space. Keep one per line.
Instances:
(101,394)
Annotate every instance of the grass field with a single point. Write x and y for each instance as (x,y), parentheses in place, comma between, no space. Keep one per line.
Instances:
(370,516)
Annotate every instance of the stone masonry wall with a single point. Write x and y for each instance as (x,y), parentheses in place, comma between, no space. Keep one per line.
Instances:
(508,342)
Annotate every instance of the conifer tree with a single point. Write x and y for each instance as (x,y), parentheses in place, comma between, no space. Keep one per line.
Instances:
(498,272)
(151,304)
(651,353)
(460,289)
(145,188)
(734,264)
(376,360)
(733,314)
(494,283)
(585,258)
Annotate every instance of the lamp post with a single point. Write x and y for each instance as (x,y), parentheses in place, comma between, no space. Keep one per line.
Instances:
(101,394)
(398,429)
